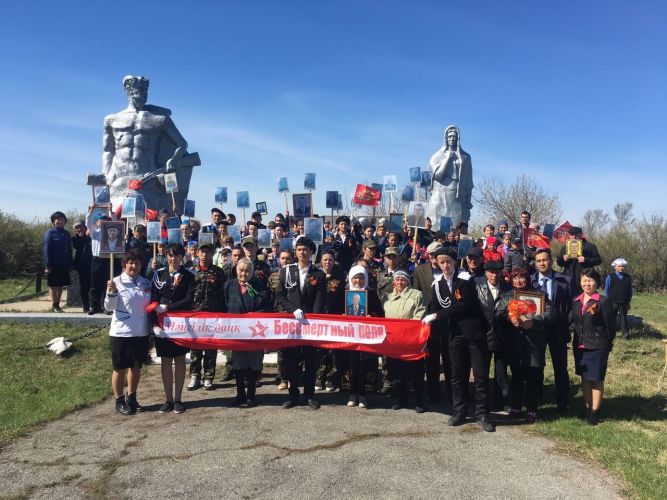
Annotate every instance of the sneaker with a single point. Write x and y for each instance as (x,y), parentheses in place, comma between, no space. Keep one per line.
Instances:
(353,401)
(167,407)
(122,407)
(282,386)
(363,402)
(179,407)
(131,401)
(531,417)
(194,383)
(329,387)
(208,385)
(57,309)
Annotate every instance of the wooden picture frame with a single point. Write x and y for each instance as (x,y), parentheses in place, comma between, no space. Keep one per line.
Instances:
(574,248)
(302,203)
(396,222)
(112,237)
(537,298)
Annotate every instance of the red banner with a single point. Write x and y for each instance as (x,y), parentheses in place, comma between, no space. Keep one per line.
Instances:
(560,233)
(534,239)
(396,338)
(366,195)
(134,184)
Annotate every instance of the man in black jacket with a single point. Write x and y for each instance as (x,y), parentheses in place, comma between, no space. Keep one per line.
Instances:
(345,244)
(572,266)
(455,301)
(557,287)
(302,290)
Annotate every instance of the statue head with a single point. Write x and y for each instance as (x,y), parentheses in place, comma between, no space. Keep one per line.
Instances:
(451,137)
(136,88)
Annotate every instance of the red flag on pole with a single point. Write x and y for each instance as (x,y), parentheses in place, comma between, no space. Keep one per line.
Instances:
(151,215)
(532,238)
(366,195)
(560,233)
(134,184)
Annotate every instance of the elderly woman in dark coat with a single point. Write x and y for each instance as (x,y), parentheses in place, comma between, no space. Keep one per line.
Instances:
(525,343)
(246,294)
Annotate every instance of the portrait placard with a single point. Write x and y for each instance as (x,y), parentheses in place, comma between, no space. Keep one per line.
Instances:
(445,224)
(426,179)
(415,174)
(221,195)
(408,193)
(112,237)
(205,238)
(395,223)
(340,202)
(417,214)
(170,183)
(332,199)
(548,230)
(378,187)
(573,248)
(173,222)
(153,232)
(95,179)
(464,248)
(309,181)
(303,205)
(535,297)
(264,238)
(314,229)
(286,244)
(101,195)
(174,236)
(242,199)
(189,208)
(389,183)
(140,205)
(261,208)
(282,185)
(356,302)
(235,233)
(129,207)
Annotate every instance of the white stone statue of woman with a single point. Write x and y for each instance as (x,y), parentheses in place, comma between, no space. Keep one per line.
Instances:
(451,180)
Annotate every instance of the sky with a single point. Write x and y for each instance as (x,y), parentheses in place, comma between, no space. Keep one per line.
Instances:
(572,93)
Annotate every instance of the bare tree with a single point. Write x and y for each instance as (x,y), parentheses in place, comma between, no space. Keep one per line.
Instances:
(623,214)
(594,222)
(497,200)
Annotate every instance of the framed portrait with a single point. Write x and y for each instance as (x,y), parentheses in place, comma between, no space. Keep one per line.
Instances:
(242,199)
(395,223)
(378,187)
(389,183)
(174,236)
(425,179)
(415,175)
(95,179)
(264,238)
(534,297)
(303,205)
(112,237)
(189,208)
(170,183)
(408,193)
(93,212)
(221,195)
(261,207)
(153,232)
(548,230)
(101,195)
(464,248)
(417,214)
(205,238)
(332,199)
(235,233)
(286,244)
(340,202)
(129,207)
(445,224)
(356,302)
(309,181)
(313,228)
(282,185)
(574,248)
(173,222)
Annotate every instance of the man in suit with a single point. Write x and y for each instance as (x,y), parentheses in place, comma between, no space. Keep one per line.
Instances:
(489,290)
(572,267)
(345,244)
(558,289)
(455,301)
(438,341)
(302,290)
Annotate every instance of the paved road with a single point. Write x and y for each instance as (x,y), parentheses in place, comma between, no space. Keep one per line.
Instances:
(213,450)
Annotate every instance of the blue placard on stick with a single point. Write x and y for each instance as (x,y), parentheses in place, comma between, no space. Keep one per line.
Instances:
(426,179)
(221,195)
(189,208)
(173,223)
(445,224)
(415,175)
(282,185)
(549,230)
(464,248)
(408,193)
(309,181)
(242,199)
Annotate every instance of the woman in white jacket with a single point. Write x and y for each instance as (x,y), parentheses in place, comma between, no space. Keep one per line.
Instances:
(127,297)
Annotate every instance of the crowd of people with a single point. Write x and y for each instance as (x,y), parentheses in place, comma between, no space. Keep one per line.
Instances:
(414,274)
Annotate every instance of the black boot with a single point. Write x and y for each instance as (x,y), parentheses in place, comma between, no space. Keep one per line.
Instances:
(594,417)
(122,407)
(131,401)
(240,398)
(252,377)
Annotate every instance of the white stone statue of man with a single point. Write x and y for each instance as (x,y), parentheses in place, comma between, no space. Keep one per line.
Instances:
(142,142)
(451,180)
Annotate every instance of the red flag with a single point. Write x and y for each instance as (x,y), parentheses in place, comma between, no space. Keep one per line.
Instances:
(532,238)
(151,215)
(560,233)
(118,211)
(366,195)
(134,184)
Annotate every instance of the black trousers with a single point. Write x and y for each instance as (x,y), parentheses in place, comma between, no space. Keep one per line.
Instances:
(404,373)
(282,369)
(465,354)
(499,384)
(207,358)
(438,348)
(84,285)
(99,275)
(526,384)
(621,309)
(293,356)
(558,351)
(243,376)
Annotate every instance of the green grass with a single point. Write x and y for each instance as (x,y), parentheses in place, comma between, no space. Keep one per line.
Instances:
(38,385)
(631,441)
(12,287)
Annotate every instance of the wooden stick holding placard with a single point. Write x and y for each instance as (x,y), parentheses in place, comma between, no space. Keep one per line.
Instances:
(154,252)
(244,223)
(173,202)
(286,202)
(111,266)
(391,202)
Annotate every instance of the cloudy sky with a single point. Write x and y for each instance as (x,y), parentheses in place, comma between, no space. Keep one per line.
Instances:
(573,93)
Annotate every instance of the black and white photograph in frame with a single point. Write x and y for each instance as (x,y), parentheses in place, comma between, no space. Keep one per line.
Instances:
(261,208)
(303,205)
(417,214)
(112,237)
(313,228)
(153,232)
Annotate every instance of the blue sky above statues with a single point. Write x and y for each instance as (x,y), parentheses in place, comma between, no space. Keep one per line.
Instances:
(572,94)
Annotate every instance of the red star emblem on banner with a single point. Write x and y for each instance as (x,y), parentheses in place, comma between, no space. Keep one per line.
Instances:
(259,329)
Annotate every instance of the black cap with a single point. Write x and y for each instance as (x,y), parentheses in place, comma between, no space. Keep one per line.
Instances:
(343,218)
(475,252)
(445,250)
(575,231)
(216,210)
(493,265)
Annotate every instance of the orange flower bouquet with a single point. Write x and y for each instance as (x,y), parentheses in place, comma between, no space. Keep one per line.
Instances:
(517,308)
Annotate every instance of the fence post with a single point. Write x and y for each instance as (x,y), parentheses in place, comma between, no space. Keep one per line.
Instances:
(38,282)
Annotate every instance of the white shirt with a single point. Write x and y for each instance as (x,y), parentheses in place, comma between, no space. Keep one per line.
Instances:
(494,290)
(302,275)
(449,280)
(130,318)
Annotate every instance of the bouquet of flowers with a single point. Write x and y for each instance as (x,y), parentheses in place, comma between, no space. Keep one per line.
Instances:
(517,308)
